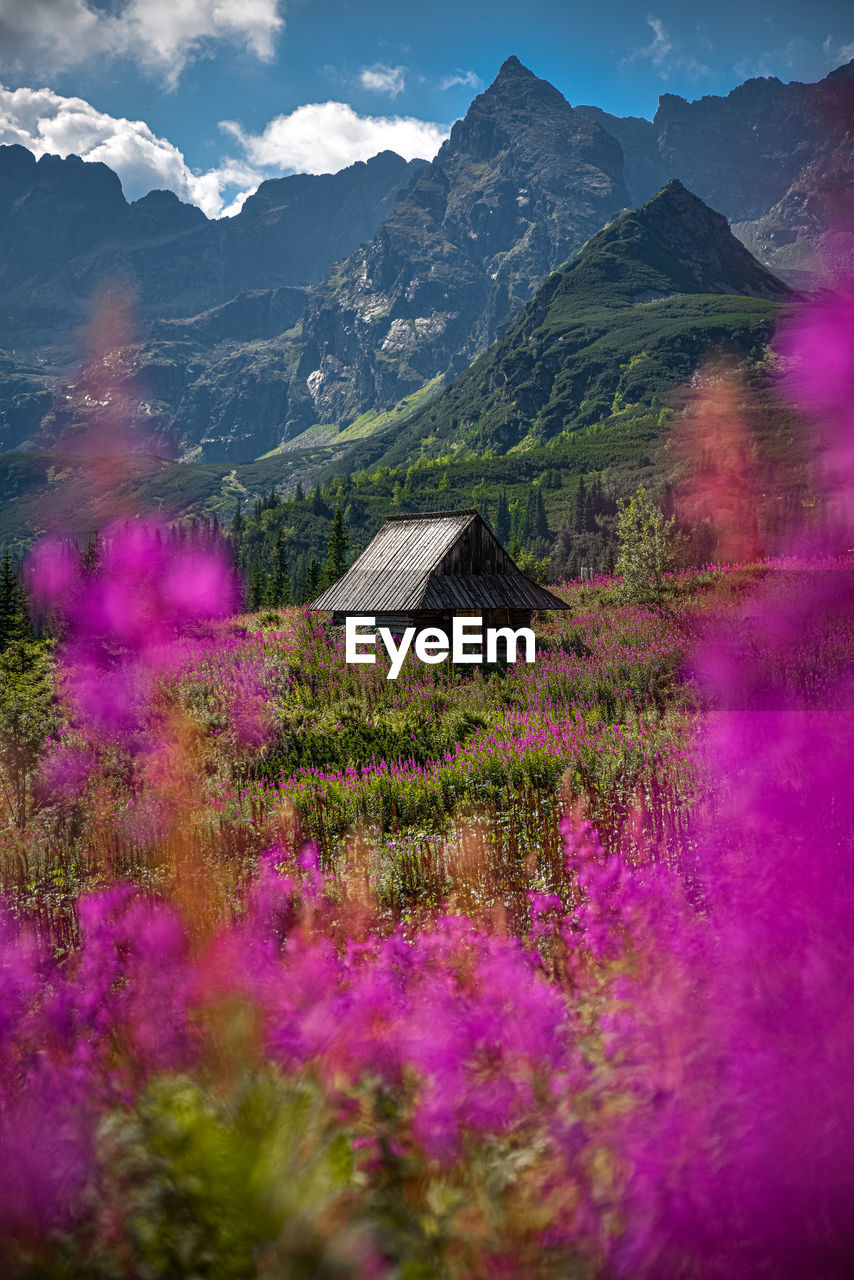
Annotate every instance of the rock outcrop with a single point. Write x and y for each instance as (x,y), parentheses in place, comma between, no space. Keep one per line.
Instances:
(520,184)
(333,295)
(610,338)
(777,159)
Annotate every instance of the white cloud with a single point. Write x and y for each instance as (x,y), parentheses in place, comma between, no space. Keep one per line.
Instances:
(468,79)
(382,79)
(318,138)
(773,61)
(162,36)
(322,137)
(666,54)
(659,50)
(838,51)
(46,122)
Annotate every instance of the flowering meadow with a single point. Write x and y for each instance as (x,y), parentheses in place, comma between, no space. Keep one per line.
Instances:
(529,971)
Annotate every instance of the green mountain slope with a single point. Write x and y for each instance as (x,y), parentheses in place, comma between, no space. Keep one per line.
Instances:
(606,341)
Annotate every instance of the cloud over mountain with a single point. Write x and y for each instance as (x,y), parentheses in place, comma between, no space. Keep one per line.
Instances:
(322,137)
(318,138)
(161,36)
(382,79)
(47,123)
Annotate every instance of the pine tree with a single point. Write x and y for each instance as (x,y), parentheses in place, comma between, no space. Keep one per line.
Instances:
(540,519)
(92,554)
(14,620)
(580,520)
(299,492)
(596,504)
(535,525)
(336,550)
(279,589)
(312,580)
(26,701)
(668,506)
(502,518)
(529,518)
(257,586)
(517,521)
(237,525)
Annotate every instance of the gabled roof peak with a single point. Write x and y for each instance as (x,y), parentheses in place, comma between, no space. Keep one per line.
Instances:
(429,561)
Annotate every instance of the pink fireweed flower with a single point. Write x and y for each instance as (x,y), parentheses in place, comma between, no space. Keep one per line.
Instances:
(123,618)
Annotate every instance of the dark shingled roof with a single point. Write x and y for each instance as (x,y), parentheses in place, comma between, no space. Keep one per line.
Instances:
(439,561)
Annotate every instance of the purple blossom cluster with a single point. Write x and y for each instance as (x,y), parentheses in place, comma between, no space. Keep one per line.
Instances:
(651,1079)
(122,617)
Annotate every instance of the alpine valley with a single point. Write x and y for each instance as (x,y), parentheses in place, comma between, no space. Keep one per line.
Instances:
(526,312)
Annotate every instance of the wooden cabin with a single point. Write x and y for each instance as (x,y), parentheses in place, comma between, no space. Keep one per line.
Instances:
(421,570)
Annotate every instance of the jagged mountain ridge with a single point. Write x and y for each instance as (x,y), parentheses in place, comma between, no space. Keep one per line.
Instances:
(584,379)
(228,368)
(613,334)
(765,155)
(520,184)
(66,229)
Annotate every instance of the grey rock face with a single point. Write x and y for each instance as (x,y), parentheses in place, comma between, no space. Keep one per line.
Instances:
(520,184)
(66,230)
(192,287)
(775,158)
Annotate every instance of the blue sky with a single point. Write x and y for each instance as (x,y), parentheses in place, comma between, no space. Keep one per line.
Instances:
(208,97)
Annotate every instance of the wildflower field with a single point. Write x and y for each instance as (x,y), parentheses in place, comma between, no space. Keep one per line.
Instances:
(518,971)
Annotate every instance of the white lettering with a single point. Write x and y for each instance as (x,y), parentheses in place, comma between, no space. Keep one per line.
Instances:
(462,637)
(396,652)
(353,640)
(511,639)
(431,645)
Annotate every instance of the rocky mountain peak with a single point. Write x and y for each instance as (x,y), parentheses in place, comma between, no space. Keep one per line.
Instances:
(512,66)
(522,181)
(80,181)
(514,93)
(513,73)
(672,244)
(161,207)
(405,272)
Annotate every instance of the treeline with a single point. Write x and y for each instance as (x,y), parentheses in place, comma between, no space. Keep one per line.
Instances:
(26,694)
(290,549)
